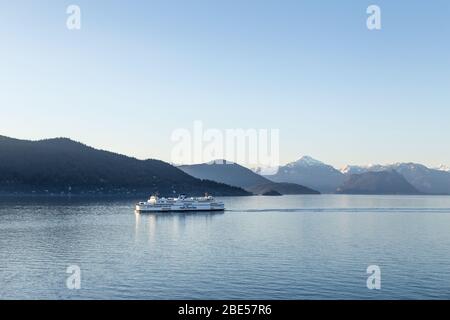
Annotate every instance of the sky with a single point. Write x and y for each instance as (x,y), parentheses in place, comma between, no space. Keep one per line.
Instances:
(138,70)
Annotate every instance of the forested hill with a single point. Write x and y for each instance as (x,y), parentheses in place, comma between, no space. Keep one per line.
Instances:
(61,166)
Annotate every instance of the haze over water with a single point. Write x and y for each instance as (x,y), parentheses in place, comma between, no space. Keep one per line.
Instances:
(289,247)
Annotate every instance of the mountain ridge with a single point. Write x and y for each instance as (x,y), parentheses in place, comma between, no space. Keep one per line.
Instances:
(240,176)
(378,182)
(425,179)
(62,165)
(325,178)
(56,165)
(311,173)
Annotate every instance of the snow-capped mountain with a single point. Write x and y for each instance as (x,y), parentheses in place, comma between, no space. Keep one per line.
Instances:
(443,167)
(305,161)
(353,169)
(349,169)
(317,175)
(311,173)
(424,179)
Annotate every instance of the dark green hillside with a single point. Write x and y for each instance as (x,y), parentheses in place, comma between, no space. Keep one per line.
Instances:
(62,165)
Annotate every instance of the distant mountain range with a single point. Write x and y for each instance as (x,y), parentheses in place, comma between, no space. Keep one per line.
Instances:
(62,166)
(311,173)
(425,180)
(237,175)
(379,182)
(353,179)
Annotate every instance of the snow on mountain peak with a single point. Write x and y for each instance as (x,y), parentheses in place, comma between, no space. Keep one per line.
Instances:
(306,161)
(354,169)
(349,169)
(443,167)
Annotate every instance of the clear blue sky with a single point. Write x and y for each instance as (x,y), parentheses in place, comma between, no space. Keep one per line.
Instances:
(137,70)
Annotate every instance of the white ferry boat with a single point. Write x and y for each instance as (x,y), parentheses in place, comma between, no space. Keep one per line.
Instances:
(180,204)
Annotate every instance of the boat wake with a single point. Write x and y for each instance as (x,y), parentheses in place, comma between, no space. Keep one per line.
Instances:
(347,210)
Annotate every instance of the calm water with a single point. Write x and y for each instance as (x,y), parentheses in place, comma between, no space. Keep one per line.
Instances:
(290,247)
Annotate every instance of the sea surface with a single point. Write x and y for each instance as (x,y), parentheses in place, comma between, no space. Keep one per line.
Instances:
(289,247)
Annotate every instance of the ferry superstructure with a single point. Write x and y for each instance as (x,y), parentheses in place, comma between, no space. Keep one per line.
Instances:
(180,204)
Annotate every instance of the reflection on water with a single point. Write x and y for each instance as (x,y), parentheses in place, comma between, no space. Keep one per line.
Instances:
(146,223)
(290,247)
